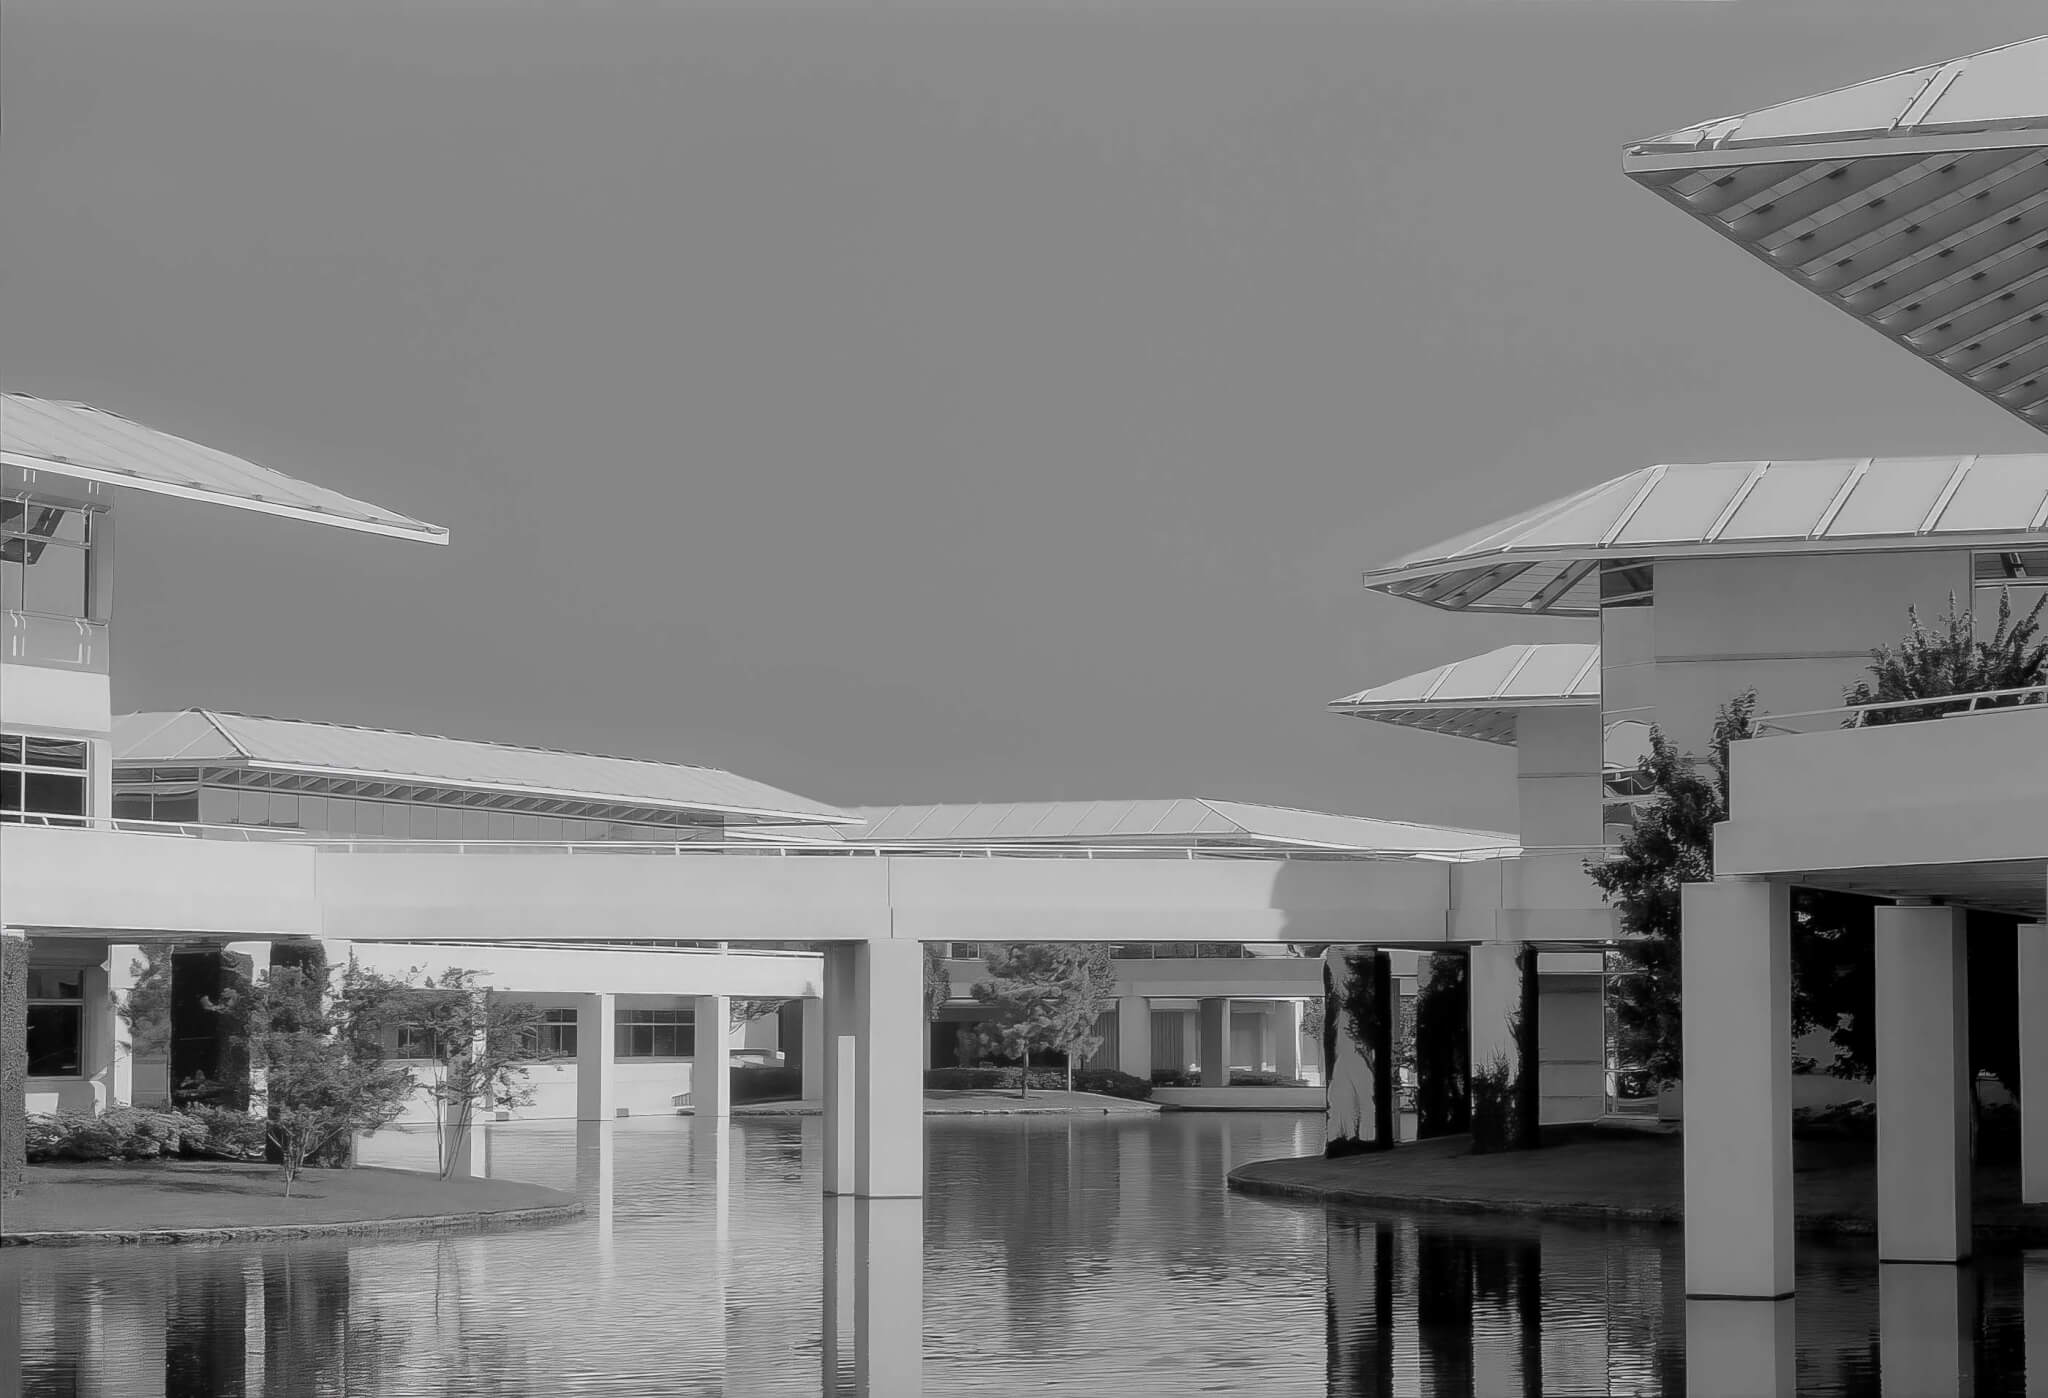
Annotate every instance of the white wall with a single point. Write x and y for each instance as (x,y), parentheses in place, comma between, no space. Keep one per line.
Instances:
(1557,754)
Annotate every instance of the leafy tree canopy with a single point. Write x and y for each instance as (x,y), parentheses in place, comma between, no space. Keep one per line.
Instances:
(1949,658)
(1046,997)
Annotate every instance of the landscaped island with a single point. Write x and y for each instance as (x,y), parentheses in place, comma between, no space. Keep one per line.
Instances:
(183,1201)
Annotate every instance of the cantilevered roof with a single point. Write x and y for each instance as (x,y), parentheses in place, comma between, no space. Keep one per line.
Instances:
(1917,202)
(1479,697)
(1548,560)
(1169,822)
(81,442)
(206,738)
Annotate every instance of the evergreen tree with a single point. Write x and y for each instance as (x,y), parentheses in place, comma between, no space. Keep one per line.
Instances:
(1046,997)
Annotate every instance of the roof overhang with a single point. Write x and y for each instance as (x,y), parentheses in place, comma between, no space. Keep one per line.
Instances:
(78,442)
(1548,561)
(1917,203)
(1483,696)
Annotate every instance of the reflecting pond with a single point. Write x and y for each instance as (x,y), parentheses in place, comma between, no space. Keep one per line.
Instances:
(1059,1255)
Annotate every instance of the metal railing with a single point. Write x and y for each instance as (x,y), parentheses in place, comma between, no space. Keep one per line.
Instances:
(1911,710)
(755,848)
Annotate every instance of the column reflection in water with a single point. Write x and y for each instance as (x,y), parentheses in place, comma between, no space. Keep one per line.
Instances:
(2034,1317)
(1739,1349)
(1360,1298)
(1927,1326)
(874,1296)
(596,1152)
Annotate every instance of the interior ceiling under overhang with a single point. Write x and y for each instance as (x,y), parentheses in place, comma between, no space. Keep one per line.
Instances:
(1940,247)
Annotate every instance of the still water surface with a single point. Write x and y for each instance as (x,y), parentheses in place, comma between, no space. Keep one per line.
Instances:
(1059,1255)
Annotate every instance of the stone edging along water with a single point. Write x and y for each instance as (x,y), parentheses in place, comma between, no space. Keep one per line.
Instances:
(475,1221)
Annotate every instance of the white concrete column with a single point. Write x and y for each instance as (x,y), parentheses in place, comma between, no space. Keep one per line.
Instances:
(888,1304)
(813,1061)
(123,960)
(1134,1036)
(888,1147)
(597,1023)
(2034,1321)
(13,1059)
(1286,1022)
(2033,991)
(711,1068)
(463,1124)
(1923,1087)
(841,1057)
(1215,1040)
(1502,1008)
(1737,951)
(259,967)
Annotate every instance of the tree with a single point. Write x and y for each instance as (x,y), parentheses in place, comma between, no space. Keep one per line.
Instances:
(743,1010)
(938,981)
(484,1043)
(1949,659)
(323,1081)
(1046,997)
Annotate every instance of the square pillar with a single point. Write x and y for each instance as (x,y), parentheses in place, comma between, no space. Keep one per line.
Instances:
(711,1064)
(464,1155)
(597,1026)
(1923,1084)
(1286,1021)
(811,1063)
(1742,1347)
(13,1059)
(118,1073)
(1134,1036)
(2033,991)
(1503,1066)
(1215,1041)
(841,1057)
(888,1131)
(1737,950)
(1358,1050)
(258,954)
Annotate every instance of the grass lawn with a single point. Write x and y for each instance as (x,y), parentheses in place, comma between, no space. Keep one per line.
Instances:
(181,1195)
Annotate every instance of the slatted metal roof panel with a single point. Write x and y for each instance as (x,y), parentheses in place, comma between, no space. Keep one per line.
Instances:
(205,737)
(1917,202)
(1547,561)
(1479,697)
(80,442)
(1165,823)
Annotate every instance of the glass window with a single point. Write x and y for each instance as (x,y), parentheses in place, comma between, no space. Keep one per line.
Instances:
(56,1017)
(252,808)
(218,805)
(656,1034)
(416,1041)
(284,809)
(43,777)
(131,805)
(1627,584)
(558,1033)
(45,559)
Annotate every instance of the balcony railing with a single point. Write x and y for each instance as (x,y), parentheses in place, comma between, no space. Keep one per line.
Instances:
(758,848)
(1903,711)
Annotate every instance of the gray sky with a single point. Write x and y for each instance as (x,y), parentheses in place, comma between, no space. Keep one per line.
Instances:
(912,404)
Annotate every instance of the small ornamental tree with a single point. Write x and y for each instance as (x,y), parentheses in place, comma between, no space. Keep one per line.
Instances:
(743,1010)
(1046,997)
(321,1083)
(1949,659)
(484,1042)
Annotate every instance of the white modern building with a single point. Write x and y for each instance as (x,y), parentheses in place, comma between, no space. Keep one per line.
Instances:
(1916,202)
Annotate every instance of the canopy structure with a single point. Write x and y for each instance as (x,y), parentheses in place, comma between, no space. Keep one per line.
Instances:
(213,741)
(1480,697)
(1167,823)
(80,442)
(1560,559)
(1917,202)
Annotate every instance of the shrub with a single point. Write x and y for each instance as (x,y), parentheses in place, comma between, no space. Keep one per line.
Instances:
(1173,1077)
(1246,1077)
(1110,1083)
(124,1133)
(1105,1081)
(229,1134)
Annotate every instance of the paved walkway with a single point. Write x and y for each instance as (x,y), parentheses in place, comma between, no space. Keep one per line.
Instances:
(209,1201)
(1628,1176)
(976,1102)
